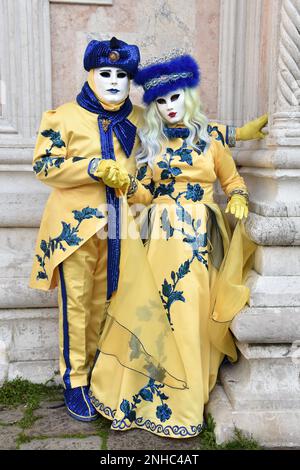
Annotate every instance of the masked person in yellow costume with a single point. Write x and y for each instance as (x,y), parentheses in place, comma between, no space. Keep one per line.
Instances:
(198,264)
(78,144)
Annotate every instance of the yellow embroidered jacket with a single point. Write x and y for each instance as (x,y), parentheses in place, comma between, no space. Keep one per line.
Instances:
(67,142)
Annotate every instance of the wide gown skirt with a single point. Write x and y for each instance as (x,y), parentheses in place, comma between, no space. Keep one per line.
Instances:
(199,269)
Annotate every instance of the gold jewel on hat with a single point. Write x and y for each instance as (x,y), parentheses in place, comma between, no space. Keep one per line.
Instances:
(114,56)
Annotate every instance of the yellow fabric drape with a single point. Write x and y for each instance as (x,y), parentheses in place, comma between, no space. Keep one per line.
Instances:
(228,292)
(137,331)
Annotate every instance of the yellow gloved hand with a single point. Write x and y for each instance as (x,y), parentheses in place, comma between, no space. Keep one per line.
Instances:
(252,130)
(237,206)
(113,174)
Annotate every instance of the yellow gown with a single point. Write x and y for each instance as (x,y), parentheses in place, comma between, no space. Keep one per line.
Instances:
(199,268)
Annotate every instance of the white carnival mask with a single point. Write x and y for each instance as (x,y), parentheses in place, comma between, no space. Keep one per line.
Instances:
(171,107)
(112,84)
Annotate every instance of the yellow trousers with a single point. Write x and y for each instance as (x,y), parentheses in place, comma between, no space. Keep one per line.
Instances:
(81,300)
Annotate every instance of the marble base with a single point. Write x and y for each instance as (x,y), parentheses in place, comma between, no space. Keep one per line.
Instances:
(271,428)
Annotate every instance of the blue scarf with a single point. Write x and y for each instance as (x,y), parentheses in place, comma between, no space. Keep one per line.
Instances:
(176,132)
(183,133)
(125,131)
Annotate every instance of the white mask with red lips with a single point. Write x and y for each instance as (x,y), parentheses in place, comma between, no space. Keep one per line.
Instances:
(112,84)
(171,107)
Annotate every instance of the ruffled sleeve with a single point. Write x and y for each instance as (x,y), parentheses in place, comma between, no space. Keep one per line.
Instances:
(226,170)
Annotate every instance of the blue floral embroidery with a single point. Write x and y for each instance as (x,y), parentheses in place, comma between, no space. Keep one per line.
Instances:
(68,236)
(169,294)
(141,173)
(169,291)
(55,138)
(194,192)
(164,189)
(163,412)
(185,154)
(77,159)
(211,129)
(147,393)
(170,171)
(197,241)
(160,429)
(46,161)
(201,145)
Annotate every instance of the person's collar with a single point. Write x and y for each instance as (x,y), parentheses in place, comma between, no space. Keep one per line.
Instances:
(177,125)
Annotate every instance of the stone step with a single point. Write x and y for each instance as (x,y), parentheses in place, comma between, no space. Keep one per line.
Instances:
(267,325)
(273,231)
(274,291)
(277,260)
(30,334)
(16,259)
(15,293)
(23,194)
(265,377)
(17,252)
(34,371)
(274,192)
(271,428)
(28,344)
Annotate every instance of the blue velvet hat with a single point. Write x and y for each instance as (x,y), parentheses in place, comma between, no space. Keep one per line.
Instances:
(112,53)
(162,75)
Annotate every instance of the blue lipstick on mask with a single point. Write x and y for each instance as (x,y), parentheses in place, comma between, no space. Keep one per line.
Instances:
(113,90)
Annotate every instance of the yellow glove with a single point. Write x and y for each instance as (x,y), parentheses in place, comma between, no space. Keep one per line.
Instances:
(252,130)
(237,206)
(113,174)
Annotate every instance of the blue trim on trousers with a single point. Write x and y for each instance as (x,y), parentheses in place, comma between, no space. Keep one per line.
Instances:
(66,339)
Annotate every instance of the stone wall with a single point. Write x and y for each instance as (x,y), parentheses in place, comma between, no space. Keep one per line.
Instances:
(155,25)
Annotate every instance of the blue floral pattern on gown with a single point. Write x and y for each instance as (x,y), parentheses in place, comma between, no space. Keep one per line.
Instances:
(198,242)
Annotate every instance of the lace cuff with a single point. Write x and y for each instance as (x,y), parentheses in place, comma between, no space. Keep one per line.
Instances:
(241,192)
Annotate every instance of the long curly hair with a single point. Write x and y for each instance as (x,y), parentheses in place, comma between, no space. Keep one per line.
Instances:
(152,135)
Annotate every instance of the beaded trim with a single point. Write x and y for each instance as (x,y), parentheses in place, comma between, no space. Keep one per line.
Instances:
(133,186)
(242,192)
(166,78)
(172,54)
(231,136)
(93,165)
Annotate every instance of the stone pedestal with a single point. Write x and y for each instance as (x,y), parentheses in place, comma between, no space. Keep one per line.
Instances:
(260,394)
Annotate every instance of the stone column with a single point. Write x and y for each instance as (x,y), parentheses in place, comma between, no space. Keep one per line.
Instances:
(260,394)
(27,344)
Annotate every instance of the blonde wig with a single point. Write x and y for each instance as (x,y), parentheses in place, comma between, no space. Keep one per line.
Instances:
(152,135)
